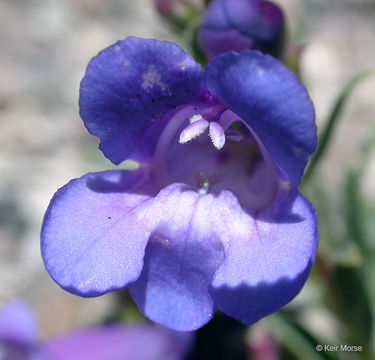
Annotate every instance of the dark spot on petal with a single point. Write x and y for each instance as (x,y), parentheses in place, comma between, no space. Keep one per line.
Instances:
(109,217)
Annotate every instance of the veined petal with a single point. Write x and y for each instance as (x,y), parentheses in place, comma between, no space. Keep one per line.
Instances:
(129,86)
(94,232)
(268,96)
(268,258)
(181,258)
(143,342)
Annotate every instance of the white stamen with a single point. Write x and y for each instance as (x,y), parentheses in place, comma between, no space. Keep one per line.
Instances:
(217,135)
(193,130)
(195,118)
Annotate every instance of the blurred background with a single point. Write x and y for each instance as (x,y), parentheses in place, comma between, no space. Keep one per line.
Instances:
(45,47)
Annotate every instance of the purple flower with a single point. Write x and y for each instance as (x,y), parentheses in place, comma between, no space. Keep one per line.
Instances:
(117,342)
(18,333)
(236,25)
(212,218)
(19,340)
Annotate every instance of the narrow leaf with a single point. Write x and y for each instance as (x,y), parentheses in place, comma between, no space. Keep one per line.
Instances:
(295,340)
(331,123)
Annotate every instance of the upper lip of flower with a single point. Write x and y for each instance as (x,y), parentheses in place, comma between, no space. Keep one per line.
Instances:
(128,116)
(185,252)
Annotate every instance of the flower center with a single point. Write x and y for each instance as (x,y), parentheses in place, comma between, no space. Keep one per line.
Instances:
(218,131)
(229,158)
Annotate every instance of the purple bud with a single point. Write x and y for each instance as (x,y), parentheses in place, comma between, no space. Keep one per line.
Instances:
(167,7)
(264,347)
(236,25)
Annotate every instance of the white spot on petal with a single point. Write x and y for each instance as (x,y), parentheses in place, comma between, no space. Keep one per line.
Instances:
(261,72)
(152,78)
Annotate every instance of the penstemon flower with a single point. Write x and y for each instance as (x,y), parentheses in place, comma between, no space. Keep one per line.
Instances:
(235,25)
(19,340)
(212,218)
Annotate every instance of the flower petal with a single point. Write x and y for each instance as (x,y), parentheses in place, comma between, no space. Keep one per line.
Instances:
(215,17)
(18,325)
(94,233)
(217,41)
(265,94)
(119,343)
(268,258)
(181,257)
(259,19)
(132,84)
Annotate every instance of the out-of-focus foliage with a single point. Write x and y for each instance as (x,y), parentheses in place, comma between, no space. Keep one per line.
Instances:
(331,123)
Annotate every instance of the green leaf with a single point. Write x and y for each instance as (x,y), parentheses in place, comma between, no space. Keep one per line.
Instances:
(355,303)
(354,210)
(331,124)
(359,214)
(296,340)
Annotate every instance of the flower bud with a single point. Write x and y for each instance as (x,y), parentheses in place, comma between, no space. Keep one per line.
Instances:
(236,25)
(167,8)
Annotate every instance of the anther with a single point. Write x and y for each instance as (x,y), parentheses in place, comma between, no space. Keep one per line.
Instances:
(195,118)
(217,135)
(193,130)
